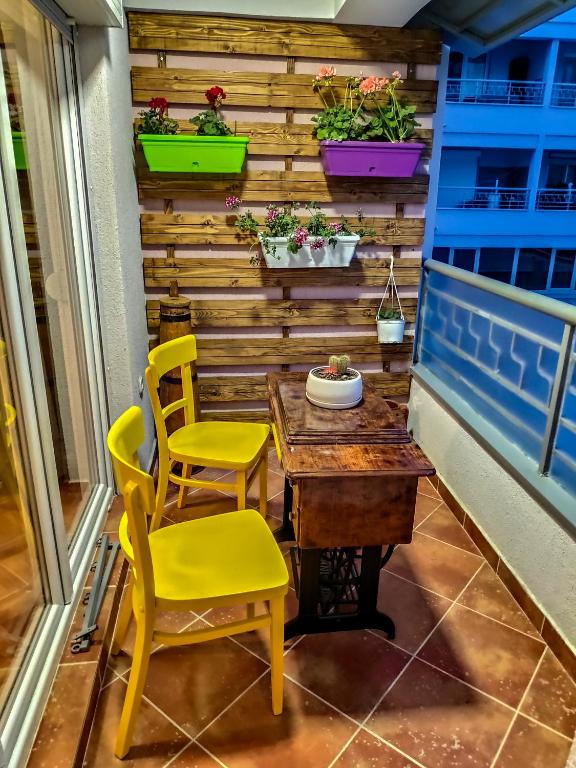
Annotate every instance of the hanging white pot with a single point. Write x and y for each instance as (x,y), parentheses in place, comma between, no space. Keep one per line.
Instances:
(390,328)
(390,331)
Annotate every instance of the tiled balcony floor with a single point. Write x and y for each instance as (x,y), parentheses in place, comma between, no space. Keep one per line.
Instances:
(467,682)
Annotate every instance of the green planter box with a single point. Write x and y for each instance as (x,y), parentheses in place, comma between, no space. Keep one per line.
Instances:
(183,153)
(19,150)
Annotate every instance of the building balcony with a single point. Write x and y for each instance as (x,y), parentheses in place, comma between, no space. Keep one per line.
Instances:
(483,198)
(516,92)
(564,95)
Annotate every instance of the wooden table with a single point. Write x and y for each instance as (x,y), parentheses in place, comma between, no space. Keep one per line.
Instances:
(351,483)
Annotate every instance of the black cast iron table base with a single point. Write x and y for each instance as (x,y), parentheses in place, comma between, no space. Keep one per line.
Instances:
(337,588)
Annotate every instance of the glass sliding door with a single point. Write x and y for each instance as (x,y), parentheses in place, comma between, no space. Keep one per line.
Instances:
(54,480)
(29,54)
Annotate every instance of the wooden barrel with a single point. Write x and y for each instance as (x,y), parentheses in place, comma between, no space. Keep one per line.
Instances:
(175,321)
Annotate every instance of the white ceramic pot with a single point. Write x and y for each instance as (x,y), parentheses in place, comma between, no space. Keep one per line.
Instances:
(334,394)
(390,331)
(339,255)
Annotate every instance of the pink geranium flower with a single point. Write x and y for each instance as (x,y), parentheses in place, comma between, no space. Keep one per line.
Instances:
(325,72)
(232,202)
(371,84)
(396,75)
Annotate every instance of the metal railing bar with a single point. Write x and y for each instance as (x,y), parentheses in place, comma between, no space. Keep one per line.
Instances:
(556,399)
(544,304)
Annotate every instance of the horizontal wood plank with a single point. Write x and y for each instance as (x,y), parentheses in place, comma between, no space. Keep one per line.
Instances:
(284,139)
(222,34)
(250,416)
(217,389)
(295,351)
(256,89)
(281,186)
(272,313)
(238,273)
(208,229)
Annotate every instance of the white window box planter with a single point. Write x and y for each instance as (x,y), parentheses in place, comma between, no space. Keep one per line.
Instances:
(339,255)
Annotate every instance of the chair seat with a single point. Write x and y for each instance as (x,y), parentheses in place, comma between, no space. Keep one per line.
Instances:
(223,555)
(218,443)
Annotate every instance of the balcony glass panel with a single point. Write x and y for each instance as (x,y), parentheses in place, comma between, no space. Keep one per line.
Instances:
(497,263)
(533,266)
(498,355)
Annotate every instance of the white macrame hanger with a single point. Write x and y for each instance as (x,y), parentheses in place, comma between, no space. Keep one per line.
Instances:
(391,289)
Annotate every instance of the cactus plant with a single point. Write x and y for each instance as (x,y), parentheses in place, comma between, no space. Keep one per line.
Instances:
(337,370)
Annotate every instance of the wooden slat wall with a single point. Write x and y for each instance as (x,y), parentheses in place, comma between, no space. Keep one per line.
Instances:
(274,318)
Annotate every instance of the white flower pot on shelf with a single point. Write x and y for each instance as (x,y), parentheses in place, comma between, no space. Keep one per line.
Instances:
(390,331)
(277,255)
(337,395)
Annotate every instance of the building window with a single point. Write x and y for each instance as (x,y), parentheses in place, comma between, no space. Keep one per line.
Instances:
(497,263)
(563,273)
(464,258)
(441,254)
(533,268)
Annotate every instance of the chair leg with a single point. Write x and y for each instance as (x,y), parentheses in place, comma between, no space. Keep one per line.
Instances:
(277,653)
(264,484)
(241,489)
(124,617)
(141,658)
(161,491)
(183,489)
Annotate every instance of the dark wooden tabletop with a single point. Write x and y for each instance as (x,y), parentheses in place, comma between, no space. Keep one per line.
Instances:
(322,459)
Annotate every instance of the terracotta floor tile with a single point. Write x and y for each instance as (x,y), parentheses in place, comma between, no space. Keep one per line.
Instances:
(114,515)
(415,611)
(440,721)
(498,660)
(273,462)
(63,721)
(257,641)
(551,698)
(156,739)
(425,505)
(309,733)
(366,751)
(334,666)
(201,503)
(488,595)
(426,487)
(529,745)
(442,524)
(169,621)
(276,506)
(434,565)
(195,757)
(193,684)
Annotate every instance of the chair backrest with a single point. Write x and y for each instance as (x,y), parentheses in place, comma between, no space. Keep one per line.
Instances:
(177,353)
(126,435)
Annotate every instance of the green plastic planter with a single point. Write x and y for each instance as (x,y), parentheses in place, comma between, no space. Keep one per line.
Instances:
(181,153)
(19,150)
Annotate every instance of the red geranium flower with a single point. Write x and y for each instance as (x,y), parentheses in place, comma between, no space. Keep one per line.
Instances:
(215,96)
(158,103)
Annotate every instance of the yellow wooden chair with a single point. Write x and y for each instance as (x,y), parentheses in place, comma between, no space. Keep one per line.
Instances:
(223,560)
(229,445)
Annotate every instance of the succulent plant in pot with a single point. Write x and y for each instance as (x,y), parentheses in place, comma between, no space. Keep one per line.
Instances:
(335,386)
(390,320)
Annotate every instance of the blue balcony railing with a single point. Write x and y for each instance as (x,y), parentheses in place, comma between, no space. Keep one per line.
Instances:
(564,95)
(556,199)
(503,360)
(505,198)
(517,92)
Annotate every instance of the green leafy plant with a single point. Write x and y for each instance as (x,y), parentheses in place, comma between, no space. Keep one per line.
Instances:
(315,230)
(389,314)
(155,120)
(370,110)
(209,122)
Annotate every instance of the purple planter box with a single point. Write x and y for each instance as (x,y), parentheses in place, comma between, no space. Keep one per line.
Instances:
(370,158)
